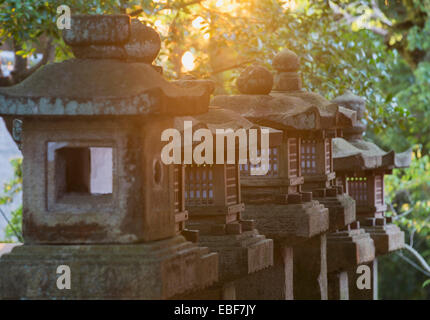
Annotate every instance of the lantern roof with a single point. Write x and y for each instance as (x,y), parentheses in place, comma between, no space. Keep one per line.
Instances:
(296,110)
(216,118)
(356,154)
(107,78)
(360,155)
(100,87)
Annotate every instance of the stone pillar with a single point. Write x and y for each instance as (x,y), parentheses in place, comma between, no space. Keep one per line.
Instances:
(310,269)
(275,283)
(338,286)
(290,226)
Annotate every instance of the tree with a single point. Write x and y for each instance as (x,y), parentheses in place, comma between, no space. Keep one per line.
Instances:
(10,190)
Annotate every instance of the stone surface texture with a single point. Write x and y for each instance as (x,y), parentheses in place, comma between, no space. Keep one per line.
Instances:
(144,43)
(156,270)
(97,30)
(349,248)
(341,208)
(289,224)
(240,255)
(83,87)
(255,79)
(138,209)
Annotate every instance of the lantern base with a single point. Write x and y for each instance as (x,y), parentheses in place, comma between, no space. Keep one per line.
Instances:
(349,248)
(289,224)
(387,236)
(156,270)
(341,210)
(240,254)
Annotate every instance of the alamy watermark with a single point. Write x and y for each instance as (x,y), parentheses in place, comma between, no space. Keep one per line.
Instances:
(203,153)
(364,281)
(65,278)
(64,20)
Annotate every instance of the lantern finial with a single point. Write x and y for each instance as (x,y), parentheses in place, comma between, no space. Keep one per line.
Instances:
(358,104)
(255,79)
(112,37)
(287,65)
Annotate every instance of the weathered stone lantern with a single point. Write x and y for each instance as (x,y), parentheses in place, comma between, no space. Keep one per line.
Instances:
(213,201)
(316,159)
(282,211)
(97,197)
(348,247)
(360,168)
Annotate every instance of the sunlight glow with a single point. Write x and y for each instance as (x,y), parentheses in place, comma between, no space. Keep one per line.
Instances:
(188,61)
(227,6)
(199,23)
(289,4)
(161,28)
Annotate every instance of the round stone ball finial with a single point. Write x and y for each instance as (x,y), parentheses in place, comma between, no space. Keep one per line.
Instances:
(112,37)
(286,61)
(351,101)
(255,79)
(144,43)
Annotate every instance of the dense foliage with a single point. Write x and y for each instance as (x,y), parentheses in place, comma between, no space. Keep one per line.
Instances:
(10,190)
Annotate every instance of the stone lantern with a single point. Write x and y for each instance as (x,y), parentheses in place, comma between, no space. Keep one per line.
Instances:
(360,168)
(97,197)
(213,200)
(277,202)
(316,158)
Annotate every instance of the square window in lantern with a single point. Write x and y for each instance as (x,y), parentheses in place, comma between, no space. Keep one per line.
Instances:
(83,171)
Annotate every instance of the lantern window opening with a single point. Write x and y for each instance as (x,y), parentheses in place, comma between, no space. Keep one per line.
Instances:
(273,170)
(83,170)
(199,185)
(308,157)
(357,188)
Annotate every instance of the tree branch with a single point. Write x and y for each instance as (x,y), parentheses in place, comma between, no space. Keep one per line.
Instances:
(20,74)
(349,19)
(172,7)
(419,257)
(413,264)
(235,66)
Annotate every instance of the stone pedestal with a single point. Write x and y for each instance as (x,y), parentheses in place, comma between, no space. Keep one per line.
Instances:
(387,236)
(240,254)
(338,287)
(346,250)
(218,291)
(341,208)
(274,283)
(156,270)
(288,225)
(310,269)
